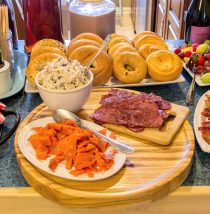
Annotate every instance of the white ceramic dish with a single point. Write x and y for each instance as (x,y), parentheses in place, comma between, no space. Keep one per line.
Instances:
(197,78)
(114,83)
(71,100)
(198,119)
(5,78)
(20,63)
(61,171)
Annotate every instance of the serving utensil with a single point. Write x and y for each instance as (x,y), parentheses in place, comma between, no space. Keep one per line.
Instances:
(4,22)
(105,43)
(191,91)
(61,114)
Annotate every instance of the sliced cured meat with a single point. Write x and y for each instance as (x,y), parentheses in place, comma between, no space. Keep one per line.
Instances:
(146,115)
(121,97)
(206,112)
(135,111)
(110,115)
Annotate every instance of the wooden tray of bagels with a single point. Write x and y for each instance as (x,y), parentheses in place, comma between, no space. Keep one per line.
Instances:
(143,61)
(71,166)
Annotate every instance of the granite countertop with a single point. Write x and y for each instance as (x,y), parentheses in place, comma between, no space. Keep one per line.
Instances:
(22,102)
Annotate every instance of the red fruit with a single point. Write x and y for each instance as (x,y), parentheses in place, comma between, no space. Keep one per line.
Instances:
(188,54)
(177,50)
(181,55)
(207,57)
(194,46)
(208,69)
(199,69)
(201,59)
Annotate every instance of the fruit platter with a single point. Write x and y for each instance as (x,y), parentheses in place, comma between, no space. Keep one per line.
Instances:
(196,56)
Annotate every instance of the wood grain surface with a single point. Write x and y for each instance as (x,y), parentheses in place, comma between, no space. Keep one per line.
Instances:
(149,174)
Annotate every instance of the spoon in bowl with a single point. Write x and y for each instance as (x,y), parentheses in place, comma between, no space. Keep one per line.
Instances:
(61,114)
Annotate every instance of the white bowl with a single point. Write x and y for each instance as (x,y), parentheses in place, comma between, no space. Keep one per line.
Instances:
(71,100)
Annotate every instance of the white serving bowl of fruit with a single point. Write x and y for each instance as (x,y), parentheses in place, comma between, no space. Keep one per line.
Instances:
(196,56)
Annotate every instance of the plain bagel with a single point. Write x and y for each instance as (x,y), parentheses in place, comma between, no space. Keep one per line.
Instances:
(129,67)
(90,36)
(79,43)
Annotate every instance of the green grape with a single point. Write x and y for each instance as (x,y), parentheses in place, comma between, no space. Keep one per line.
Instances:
(206,78)
(202,48)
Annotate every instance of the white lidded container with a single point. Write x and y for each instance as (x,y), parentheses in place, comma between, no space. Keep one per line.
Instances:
(94,16)
(5,78)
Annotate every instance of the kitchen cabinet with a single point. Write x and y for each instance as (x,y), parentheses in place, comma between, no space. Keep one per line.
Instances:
(166,17)
(170,22)
(161,17)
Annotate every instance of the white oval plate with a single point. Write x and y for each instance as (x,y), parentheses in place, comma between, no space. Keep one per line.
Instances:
(61,171)
(198,119)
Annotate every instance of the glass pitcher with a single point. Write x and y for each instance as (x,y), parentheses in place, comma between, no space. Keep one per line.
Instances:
(42,20)
(94,16)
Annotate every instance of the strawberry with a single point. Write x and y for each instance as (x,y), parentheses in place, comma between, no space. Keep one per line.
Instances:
(181,55)
(201,59)
(177,50)
(194,47)
(188,54)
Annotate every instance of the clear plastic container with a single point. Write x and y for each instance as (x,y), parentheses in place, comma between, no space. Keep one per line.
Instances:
(6,45)
(94,16)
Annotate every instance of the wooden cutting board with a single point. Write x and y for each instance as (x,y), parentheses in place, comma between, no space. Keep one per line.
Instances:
(162,136)
(150,173)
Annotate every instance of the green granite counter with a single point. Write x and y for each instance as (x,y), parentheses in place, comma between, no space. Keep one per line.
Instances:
(22,102)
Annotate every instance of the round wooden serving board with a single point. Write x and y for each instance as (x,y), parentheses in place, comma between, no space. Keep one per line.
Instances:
(150,173)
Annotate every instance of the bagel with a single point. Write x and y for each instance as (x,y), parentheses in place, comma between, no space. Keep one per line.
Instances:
(129,68)
(116,35)
(36,51)
(102,66)
(150,39)
(143,33)
(37,64)
(124,48)
(90,36)
(164,66)
(114,48)
(50,43)
(79,43)
(146,50)
(117,40)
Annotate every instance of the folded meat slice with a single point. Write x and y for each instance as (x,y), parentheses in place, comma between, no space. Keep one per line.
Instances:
(117,97)
(111,115)
(135,111)
(162,104)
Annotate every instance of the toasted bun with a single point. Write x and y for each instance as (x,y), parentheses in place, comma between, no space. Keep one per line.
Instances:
(37,64)
(37,51)
(90,36)
(164,66)
(50,43)
(129,67)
